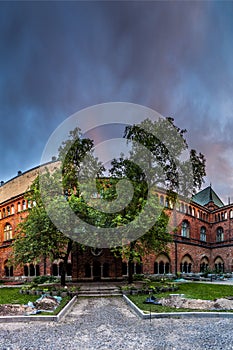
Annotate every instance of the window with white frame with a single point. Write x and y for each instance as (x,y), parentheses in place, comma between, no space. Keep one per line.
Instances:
(7,232)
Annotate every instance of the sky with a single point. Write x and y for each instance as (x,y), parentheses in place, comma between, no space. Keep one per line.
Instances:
(58,58)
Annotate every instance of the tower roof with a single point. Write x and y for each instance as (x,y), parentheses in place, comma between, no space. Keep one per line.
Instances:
(206,196)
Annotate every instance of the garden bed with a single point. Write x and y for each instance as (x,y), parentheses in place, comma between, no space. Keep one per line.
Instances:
(197,297)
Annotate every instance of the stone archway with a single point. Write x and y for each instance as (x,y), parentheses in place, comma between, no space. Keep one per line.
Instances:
(162,264)
(204,264)
(219,264)
(186,264)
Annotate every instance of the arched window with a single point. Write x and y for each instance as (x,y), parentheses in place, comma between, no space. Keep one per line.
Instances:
(231,214)
(69,269)
(8,211)
(31,270)
(54,270)
(182,207)
(219,264)
(19,206)
(161,267)
(185,229)
(162,264)
(87,269)
(156,267)
(219,235)
(203,234)
(12,209)
(37,270)
(60,268)
(24,205)
(25,270)
(9,271)
(161,200)
(138,268)
(186,264)
(124,269)
(105,270)
(7,232)
(204,264)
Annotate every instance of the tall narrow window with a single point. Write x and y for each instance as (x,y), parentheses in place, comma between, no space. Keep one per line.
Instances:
(185,229)
(7,232)
(24,205)
(203,234)
(219,236)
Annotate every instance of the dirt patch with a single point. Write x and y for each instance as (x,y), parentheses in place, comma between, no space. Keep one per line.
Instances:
(14,310)
(179,302)
(45,303)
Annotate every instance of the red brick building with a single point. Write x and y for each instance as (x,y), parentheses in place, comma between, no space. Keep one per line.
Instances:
(203,239)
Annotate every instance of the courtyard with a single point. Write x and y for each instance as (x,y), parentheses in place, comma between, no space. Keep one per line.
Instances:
(108,323)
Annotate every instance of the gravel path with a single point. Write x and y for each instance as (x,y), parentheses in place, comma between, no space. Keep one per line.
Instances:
(108,323)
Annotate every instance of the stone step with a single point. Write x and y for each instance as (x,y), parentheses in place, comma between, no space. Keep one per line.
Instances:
(99,295)
(99,291)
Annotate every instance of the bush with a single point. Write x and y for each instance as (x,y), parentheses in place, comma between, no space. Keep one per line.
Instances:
(138,277)
(44,279)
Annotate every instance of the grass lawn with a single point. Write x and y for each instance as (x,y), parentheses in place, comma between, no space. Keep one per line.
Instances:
(13,296)
(190,290)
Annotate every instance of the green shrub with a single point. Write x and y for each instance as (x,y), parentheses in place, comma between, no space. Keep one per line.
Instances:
(44,279)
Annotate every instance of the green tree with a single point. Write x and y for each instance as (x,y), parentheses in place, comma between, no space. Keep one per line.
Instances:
(156,160)
(37,236)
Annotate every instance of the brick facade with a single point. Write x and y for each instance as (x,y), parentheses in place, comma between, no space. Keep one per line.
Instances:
(202,233)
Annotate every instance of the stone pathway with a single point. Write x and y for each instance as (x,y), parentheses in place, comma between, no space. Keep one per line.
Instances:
(108,323)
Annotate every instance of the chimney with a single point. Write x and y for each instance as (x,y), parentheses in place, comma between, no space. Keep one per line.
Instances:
(19,172)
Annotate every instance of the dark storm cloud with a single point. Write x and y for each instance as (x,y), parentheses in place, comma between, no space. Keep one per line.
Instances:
(59,57)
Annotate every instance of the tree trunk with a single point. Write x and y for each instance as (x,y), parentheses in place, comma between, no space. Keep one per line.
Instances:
(65,261)
(130,263)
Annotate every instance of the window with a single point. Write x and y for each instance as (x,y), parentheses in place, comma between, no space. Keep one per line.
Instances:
(8,211)
(25,270)
(219,236)
(12,209)
(124,268)
(162,265)
(185,229)
(19,206)
(161,200)
(105,270)
(7,232)
(87,269)
(219,265)
(203,234)
(8,270)
(24,205)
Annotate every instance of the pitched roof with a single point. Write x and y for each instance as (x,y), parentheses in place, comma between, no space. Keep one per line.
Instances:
(206,196)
